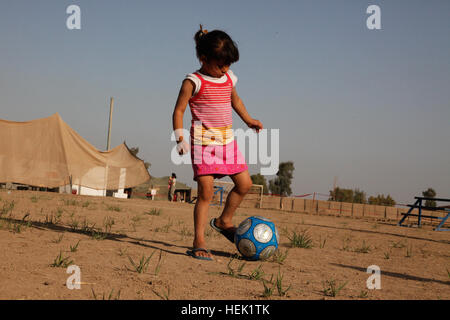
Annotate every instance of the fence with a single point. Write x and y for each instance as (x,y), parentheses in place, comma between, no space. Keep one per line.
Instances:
(321,207)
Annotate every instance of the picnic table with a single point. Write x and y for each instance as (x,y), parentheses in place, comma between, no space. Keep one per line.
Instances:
(218,189)
(418,205)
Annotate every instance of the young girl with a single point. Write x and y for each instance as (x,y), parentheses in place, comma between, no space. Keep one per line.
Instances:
(211,94)
(172,183)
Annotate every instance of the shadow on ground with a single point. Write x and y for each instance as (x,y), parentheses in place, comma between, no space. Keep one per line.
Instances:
(376,232)
(100,235)
(403,276)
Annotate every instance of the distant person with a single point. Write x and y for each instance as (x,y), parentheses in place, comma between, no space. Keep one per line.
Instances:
(128,191)
(153,191)
(172,184)
(212,95)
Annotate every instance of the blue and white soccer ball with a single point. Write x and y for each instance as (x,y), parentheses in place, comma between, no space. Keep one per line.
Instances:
(256,238)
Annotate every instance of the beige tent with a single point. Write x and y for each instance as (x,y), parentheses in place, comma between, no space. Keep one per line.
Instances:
(48,153)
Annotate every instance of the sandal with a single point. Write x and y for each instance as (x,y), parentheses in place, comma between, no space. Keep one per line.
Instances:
(193,251)
(226,233)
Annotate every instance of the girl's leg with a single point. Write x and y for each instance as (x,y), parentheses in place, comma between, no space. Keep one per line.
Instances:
(242,184)
(204,197)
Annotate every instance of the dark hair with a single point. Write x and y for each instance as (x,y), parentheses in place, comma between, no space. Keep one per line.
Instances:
(174,175)
(216,45)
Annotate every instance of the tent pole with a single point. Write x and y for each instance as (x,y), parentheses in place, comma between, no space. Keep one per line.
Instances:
(111,107)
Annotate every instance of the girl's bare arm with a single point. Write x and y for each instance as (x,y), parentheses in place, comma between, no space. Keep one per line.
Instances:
(186,91)
(240,109)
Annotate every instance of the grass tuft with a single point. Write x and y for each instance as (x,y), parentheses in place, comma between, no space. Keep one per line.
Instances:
(61,262)
(186,232)
(85,204)
(59,239)
(279,256)
(364,248)
(108,222)
(114,208)
(70,202)
(7,207)
(268,290)
(153,212)
(399,244)
(98,234)
(165,228)
(75,247)
(322,243)
(409,251)
(52,219)
(163,295)
(108,297)
(257,274)
(159,264)
(73,224)
(282,292)
(345,244)
(300,240)
(122,252)
(332,289)
(363,294)
(232,272)
(142,266)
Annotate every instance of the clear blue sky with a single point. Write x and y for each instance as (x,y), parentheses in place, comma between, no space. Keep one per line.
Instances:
(370,107)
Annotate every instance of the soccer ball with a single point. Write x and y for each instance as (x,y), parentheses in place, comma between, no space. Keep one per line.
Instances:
(256,238)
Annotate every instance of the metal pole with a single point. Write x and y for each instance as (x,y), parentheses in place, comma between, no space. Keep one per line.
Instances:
(313,204)
(420,211)
(111,107)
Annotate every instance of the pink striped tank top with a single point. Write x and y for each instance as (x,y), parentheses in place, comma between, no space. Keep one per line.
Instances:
(212,113)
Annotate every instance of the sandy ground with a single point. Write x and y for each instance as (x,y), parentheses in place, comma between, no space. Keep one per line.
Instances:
(35,227)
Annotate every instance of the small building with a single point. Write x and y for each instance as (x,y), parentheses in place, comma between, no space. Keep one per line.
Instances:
(183,194)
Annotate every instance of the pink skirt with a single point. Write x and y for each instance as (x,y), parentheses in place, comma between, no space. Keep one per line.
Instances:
(217,160)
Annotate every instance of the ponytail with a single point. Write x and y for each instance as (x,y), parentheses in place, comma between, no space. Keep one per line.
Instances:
(199,34)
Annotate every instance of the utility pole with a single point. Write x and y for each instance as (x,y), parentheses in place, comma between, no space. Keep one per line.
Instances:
(111,107)
(334,188)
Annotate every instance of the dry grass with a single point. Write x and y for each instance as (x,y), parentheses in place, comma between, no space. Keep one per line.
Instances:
(142,254)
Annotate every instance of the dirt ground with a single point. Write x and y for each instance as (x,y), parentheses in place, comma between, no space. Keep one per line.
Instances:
(112,234)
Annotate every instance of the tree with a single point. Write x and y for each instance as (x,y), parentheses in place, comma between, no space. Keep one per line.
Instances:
(341,195)
(381,200)
(359,196)
(261,180)
(347,195)
(134,151)
(281,185)
(429,193)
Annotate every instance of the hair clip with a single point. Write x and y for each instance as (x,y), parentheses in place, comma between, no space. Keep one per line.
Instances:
(202,32)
